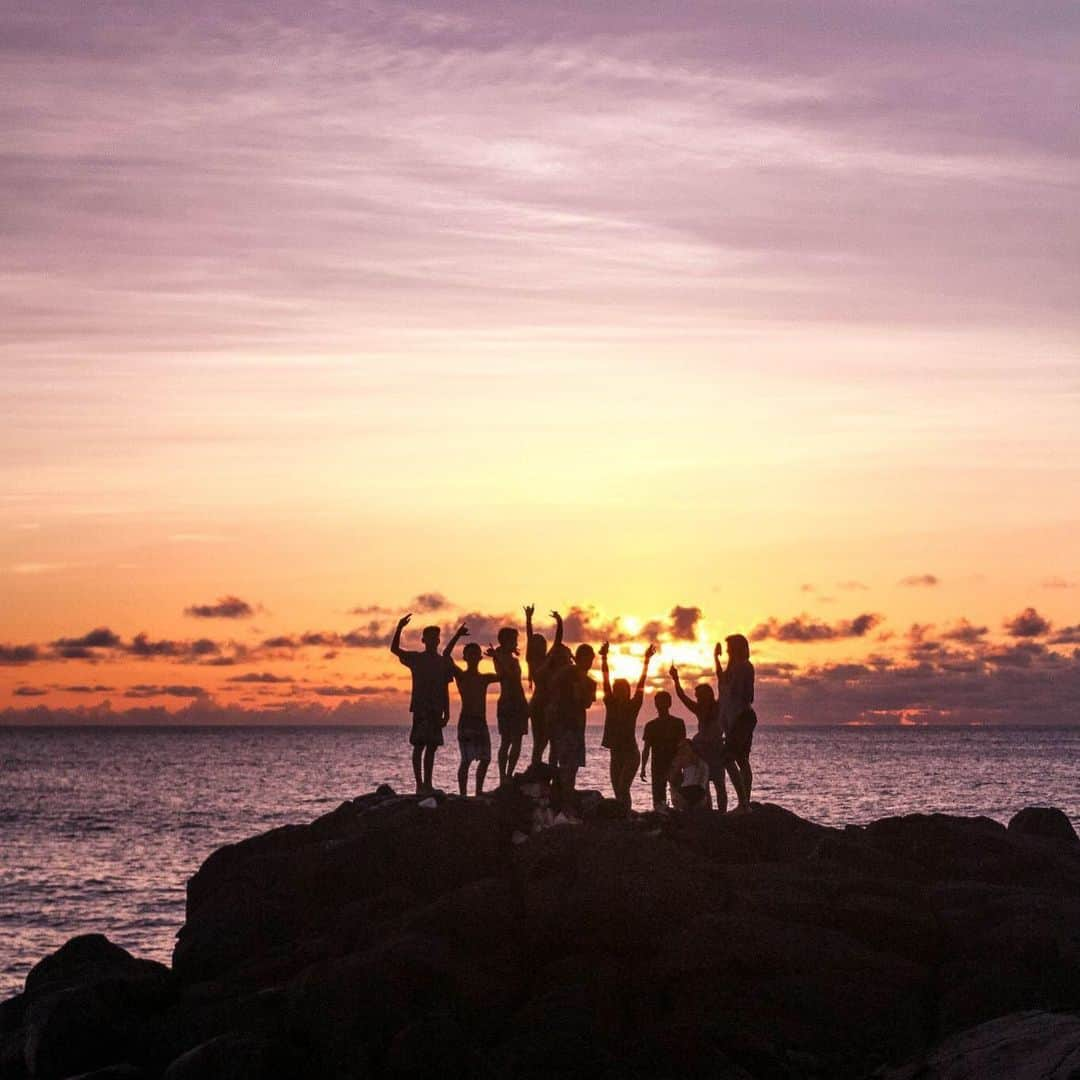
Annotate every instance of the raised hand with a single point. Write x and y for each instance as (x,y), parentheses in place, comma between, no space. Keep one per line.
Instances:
(530,610)
(463,631)
(718,651)
(404,621)
(651,651)
(556,616)
(604,650)
(489,651)
(673,671)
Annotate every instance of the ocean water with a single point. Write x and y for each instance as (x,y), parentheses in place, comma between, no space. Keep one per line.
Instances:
(101,827)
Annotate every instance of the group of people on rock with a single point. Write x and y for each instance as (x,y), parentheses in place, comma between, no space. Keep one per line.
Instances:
(562,691)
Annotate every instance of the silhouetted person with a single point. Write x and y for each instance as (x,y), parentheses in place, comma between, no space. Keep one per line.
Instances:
(513,707)
(709,738)
(689,778)
(572,693)
(661,739)
(432,672)
(737,714)
(621,710)
(474,739)
(536,658)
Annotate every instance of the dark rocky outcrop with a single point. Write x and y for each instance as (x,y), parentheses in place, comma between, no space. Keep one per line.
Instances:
(1045,821)
(477,939)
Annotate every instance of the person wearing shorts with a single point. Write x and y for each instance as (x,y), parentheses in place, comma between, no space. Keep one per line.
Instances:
(429,703)
(474,739)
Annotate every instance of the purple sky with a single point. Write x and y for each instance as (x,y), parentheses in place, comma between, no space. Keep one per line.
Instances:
(325,304)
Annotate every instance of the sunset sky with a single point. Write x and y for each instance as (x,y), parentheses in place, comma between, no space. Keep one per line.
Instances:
(685,319)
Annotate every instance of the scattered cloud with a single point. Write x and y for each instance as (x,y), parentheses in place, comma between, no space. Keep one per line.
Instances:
(30,691)
(100,637)
(149,690)
(1067,635)
(18,654)
(1028,624)
(260,677)
(964,631)
(348,691)
(225,607)
(1022,654)
(684,623)
(430,601)
(920,581)
(803,628)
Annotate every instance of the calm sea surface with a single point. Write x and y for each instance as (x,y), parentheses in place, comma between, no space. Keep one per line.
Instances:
(100,828)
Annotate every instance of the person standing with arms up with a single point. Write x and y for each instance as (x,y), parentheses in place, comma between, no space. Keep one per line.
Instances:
(512,709)
(474,739)
(537,658)
(621,711)
(709,741)
(573,691)
(429,704)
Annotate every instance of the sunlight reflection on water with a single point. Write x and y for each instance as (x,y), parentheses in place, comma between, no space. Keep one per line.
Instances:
(102,827)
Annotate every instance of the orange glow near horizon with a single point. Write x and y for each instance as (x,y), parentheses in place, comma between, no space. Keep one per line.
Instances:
(635,318)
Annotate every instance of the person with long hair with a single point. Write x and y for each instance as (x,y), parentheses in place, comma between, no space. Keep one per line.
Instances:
(573,691)
(739,720)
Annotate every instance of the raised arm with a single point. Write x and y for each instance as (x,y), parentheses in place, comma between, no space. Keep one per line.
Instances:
(530,610)
(459,633)
(650,652)
(717,653)
(604,668)
(684,697)
(558,629)
(395,642)
(496,659)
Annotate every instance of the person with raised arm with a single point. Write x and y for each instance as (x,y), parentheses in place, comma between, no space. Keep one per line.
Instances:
(512,709)
(621,709)
(708,742)
(660,740)
(474,739)
(432,673)
(737,714)
(573,691)
(537,660)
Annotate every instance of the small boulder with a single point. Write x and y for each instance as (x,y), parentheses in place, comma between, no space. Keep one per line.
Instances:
(1046,822)
(87,959)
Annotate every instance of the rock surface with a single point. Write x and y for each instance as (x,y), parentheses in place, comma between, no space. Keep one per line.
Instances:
(476,940)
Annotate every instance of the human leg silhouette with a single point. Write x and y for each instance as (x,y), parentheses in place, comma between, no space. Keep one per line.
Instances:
(417,757)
